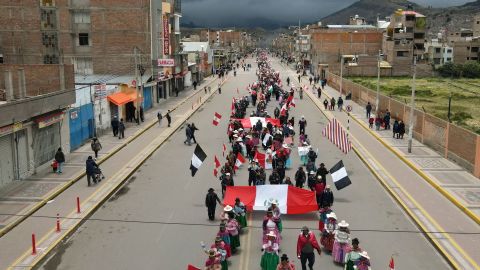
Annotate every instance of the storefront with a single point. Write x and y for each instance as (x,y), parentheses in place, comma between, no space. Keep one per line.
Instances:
(7,170)
(14,158)
(46,137)
(124,102)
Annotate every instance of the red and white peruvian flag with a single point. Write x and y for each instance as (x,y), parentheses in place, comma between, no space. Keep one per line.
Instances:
(216,118)
(232,108)
(224,149)
(291,200)
(283,110)
(391,264)
(252,121)
(217,162)
(239,162)
(191,267)
(291,102)
(215,172)
(263,160)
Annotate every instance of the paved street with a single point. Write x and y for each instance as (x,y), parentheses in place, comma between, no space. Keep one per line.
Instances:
(158,219)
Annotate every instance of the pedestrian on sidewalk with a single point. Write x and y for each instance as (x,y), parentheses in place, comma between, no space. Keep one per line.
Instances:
(176,91)
(325,104)
(220,88)
(91,169)
(319,92)
(114,124)
(299,78)
(193,129)
(142,115)
(395,129)
(121,129)
(60,158)
(332,104)
(209,89)
(368,108)
(378,122)
(288,81)
(386,120)
(401,130)
(159,117)
(311,80)
(306,244)
(340,103)
(96,146)
(205,89)
(194,85)
(188,134)
(169,119)
(211,203)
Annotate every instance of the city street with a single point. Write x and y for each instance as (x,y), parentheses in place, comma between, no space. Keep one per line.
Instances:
(158,218)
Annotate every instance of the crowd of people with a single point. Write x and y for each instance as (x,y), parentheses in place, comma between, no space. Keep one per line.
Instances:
(267,145)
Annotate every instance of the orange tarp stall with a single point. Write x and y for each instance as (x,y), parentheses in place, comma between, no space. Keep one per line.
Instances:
(121,98)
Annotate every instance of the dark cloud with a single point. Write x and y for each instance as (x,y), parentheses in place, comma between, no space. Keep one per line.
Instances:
(269,13)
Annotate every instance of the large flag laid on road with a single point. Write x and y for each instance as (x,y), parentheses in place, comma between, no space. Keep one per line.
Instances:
(263,160)
(191,267)
(197,159)
(340,176)
(291,200)
(249,122)
(216,119)
(337,135)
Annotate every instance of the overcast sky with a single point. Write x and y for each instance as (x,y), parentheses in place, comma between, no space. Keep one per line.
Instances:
(231,13)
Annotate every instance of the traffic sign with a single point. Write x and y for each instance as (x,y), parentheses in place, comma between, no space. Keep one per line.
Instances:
(349,108)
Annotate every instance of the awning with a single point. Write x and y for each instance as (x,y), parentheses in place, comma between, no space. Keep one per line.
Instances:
(121,98)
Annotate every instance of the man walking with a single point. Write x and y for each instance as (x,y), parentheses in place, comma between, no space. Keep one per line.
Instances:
(194,85)
(176,91)
(121,129)
(220,88)
(159,117)
(91,168)
(169,119)
(96,146)
(60,158)
(340,103)
(300,177)
(368,108)
(193,128)
(114,124)
(188,133)
(306,244)
(302,123)
(211,203)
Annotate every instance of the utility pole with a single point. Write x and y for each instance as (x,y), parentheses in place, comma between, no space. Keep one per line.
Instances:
(341,75)
(137,67)
(412,106)
(378,83)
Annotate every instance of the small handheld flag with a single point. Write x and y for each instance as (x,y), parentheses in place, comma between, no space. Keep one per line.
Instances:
(391,264)
(197,159)
(340,176)
(217,162)
(239,162)
(216,119)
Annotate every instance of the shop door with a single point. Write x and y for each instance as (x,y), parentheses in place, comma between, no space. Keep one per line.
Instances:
(22,154)
(147,98)
(46,141)
(6,160)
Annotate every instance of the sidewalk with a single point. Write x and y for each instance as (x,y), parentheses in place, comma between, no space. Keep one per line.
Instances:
(453,232)
(45,194)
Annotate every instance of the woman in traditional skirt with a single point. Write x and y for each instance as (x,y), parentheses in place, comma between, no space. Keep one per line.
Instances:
(322,217)
(341,246)
(213,262)
(223,233)
(353,255)
(270,248)
(232,228)
(219,247)
(364,262)
(328,232)
(269,224)
(239,210)
(285,264)
(276,214)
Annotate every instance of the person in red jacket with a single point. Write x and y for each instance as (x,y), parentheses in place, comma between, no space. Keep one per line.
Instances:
(306,244)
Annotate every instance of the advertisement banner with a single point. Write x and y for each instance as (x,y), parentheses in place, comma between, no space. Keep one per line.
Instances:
(166,36)
(166,62)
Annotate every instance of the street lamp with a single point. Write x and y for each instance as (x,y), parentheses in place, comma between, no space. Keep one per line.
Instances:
(412,102)
(378,83)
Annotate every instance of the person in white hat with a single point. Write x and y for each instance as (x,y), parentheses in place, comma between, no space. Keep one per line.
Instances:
(363,262)
(302,123)
(276,213)
(233,229)
(328,232)
(342,242)
(270,249)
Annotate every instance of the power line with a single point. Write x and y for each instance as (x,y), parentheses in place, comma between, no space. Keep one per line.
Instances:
(216,225)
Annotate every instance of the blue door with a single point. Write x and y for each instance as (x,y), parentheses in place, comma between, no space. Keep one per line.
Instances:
(81,125)
(147,98)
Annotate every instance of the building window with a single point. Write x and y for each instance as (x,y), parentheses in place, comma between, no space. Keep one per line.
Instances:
(402,53)
(81,17)
(47,3)
(83,39)
(437,50)
(449,59)
(49,39)
(50,59)
(449,50)
(474,49)
(48,18)
(474,58)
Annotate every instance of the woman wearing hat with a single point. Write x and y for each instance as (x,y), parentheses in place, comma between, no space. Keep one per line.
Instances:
(285,264)
(276,213)
(270,248)
(328,232)
(341,246)
(363,262)
(270,224)
(219,247)
(353,255)
(239,209)
(214,260)
(225,236)
(232,228)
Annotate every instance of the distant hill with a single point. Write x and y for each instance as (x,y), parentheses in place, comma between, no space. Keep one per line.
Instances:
(450,18)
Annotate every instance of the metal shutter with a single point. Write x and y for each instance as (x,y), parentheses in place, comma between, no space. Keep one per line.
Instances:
(22,154)
(6,160)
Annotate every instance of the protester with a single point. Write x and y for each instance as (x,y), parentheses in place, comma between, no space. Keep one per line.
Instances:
(306,244)
(342,243)
(328,232)
(193,128)
(285,263)
(211,203)
(240,213)
(60,159)
(300,177)
(270,249)
(353,255)
(302,123)
(233,229)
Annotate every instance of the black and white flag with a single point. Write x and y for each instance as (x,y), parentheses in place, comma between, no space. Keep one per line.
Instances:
(197,159)
(340,176)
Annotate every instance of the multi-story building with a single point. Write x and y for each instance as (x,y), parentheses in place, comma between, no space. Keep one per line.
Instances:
(302,48)
(438,53)
(467,50)
(476,25)
(404,40)
(357,20)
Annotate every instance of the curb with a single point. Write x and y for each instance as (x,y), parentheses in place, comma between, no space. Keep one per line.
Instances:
(76,178)
(41,257)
